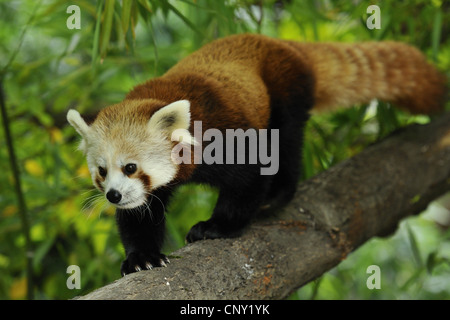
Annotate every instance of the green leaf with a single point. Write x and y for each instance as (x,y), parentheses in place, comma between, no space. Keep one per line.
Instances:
(42,250)
(414,246)
(96,42)
(436,33)
(126,14)
(107,26)
(185,20)
(431,262)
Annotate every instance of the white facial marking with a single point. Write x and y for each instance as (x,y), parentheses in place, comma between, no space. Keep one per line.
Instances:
(132,190)
(113,145)
(175,117)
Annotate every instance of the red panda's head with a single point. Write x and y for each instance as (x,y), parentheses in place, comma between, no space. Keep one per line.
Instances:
(129,147)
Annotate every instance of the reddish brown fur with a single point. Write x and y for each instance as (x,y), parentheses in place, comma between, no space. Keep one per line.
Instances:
(347,74)
(344,74)
(209,76)
(98,183)
(145,178)
(241,82)
(235,81)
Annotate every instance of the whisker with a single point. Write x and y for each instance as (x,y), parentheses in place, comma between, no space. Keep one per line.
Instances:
(162,203)
(92,203)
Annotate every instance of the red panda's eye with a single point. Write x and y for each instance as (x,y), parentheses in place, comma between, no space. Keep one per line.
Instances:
(130,168)
(102,171)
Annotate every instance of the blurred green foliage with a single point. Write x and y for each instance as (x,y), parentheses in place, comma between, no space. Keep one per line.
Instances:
(47,68)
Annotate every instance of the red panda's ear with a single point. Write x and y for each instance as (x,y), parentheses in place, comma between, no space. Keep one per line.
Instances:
(78,123)
(174,116)
(81,126)
(173,121)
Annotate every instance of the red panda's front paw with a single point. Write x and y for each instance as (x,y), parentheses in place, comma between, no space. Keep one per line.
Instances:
(138,261)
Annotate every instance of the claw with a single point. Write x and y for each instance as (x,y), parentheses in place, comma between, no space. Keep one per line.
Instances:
(137,268)
(149,266)
(163,264)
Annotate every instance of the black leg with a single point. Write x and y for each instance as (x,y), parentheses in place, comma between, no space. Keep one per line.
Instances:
(284,182)
(237,205)
(142,232)
(290,119)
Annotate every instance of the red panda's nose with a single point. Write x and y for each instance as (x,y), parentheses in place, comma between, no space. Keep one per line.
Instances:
(113,196)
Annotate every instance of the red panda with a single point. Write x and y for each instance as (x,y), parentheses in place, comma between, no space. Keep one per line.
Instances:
(238,82)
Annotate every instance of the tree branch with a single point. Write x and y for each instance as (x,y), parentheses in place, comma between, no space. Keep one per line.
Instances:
(331,215)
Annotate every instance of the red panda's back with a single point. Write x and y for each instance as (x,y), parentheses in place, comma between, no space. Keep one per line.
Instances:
(234,63)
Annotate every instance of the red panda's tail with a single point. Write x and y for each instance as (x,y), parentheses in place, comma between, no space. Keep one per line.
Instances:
(347,74)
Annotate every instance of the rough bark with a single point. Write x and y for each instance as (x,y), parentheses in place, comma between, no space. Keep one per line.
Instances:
(331,215)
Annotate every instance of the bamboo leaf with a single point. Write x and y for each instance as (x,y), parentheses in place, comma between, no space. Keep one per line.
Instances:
(185,20)
(96,42)
(126,15)
(134,18)
(414,246)
(107,26)
(436,33)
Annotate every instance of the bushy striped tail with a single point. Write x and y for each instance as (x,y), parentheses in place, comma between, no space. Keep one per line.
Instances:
(347,74)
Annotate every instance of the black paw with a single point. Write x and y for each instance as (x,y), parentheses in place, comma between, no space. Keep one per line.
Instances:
(137,261)
(211,230)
